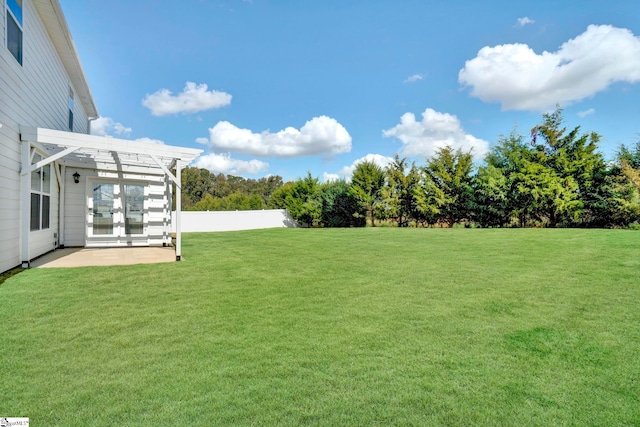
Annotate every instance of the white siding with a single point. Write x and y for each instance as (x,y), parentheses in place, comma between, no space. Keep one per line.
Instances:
(9,198)
(34,94)
(38,92)
(75,207)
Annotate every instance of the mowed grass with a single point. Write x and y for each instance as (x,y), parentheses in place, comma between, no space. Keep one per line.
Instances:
(334,327)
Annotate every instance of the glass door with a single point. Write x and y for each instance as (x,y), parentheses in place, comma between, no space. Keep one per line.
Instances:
(103,210)
(133,209)
(116,214)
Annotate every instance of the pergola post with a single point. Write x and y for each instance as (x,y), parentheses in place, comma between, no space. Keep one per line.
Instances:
(178,209)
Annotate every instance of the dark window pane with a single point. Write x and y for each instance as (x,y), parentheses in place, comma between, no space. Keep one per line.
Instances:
(45,211)
(35,211)
(14,39)
(71,120)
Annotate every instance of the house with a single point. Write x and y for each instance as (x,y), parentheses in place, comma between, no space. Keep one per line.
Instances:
(59,185)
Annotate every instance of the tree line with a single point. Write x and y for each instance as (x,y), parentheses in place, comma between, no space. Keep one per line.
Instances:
(206,191)
(553,178)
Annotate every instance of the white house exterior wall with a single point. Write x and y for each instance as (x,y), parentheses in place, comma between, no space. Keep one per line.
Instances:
(75,208)
(36,95)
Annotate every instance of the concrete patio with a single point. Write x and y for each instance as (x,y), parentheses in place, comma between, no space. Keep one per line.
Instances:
(84,257)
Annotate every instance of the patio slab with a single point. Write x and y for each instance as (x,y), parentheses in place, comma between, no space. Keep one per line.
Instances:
(85,257)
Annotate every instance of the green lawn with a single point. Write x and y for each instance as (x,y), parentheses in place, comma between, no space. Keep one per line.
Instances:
(334,327)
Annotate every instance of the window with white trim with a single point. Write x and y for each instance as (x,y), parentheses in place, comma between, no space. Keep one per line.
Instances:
(40,196)
(14,28)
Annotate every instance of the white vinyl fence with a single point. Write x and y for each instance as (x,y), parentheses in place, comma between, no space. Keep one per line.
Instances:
(233,220)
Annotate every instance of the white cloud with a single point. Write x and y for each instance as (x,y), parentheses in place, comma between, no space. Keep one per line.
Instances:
(524,21)
(520,79)
(435,130)
(586,112)
(330,177)
(103,126)
(223,163)
(378,159)
(320,135)
(149,141)
(414,78)
(106,126)
(194,98)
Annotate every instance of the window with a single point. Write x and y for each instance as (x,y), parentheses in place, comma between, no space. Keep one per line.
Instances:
(71,109)
(14,29)
(40,196)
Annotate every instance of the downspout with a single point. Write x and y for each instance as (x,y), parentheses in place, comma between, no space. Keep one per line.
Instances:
(25,196)
(62,195)
(89,120)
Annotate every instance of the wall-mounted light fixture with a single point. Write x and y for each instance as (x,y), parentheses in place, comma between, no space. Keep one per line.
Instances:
(76,177)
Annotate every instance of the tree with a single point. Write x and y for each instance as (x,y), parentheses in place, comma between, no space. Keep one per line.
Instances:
(398,193)
(491,197)
(279,196)
(545,196)
(366,186)
(242,202)
(428,199)
(505,159)
(196,183)
(207,203)
(267,185)
(630,155)
(623,200)
(340,207)
(448,181)
(573,155)
(302,198)
(623,187)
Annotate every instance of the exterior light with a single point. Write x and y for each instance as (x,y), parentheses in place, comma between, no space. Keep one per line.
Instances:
(76,177)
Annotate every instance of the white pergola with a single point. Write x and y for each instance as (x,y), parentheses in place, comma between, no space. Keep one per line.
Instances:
(102,153)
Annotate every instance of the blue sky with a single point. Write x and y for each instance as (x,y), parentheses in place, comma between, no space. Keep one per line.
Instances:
(269,87)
